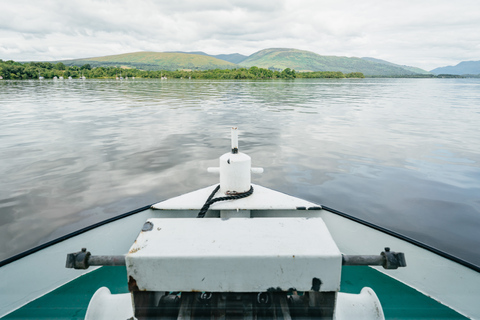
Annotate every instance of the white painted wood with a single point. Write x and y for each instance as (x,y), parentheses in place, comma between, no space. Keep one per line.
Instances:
(261,199)
(235,255)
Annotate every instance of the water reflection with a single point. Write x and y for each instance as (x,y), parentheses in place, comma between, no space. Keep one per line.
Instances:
(398,152)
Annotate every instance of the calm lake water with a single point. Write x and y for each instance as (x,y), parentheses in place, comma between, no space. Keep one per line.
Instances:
(400,153)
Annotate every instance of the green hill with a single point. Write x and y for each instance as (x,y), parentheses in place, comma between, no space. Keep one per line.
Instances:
(155,61)
(232,57)
(300,60)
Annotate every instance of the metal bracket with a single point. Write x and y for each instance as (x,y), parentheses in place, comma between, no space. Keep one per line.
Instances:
(388,259)
(393,260)
(84,259)
(78,260)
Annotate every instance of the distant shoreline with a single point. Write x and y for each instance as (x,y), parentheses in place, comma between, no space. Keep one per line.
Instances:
(46,70)
(11,70)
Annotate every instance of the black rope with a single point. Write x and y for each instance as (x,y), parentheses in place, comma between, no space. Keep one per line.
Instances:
(211,201)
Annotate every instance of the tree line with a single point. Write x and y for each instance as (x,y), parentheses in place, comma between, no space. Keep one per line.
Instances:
(33,70)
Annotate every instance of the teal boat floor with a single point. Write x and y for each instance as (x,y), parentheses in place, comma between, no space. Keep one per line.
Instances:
(398,300)
(71,300)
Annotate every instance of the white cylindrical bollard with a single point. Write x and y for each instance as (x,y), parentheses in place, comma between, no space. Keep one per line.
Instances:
(235,169)
(235,173)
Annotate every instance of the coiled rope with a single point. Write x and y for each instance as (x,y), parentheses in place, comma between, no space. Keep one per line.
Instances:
(211,201)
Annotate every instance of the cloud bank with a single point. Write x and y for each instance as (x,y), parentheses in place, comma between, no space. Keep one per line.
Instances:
(426,34)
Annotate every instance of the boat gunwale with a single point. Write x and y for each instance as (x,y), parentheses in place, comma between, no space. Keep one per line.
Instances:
(71,235)
(334,211)
(400,236)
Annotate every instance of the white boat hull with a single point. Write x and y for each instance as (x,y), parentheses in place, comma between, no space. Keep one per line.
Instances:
(446,281)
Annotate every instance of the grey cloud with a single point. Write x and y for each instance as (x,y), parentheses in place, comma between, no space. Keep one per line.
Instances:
(407,32)
(186,6)
(265,6)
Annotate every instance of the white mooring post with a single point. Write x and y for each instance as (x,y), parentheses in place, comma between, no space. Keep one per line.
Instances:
(235,171)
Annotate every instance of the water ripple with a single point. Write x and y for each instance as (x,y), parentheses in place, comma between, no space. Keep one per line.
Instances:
(402,153)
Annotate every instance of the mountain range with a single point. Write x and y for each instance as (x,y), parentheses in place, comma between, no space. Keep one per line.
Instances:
(273,58)
(464,67)
(233,57)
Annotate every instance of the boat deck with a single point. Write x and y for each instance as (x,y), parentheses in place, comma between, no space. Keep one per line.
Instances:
(398,300)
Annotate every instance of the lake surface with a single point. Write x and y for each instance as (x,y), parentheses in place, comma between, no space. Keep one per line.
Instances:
(400,153)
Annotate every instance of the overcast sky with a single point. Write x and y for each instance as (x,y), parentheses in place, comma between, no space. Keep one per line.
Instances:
(421,33)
